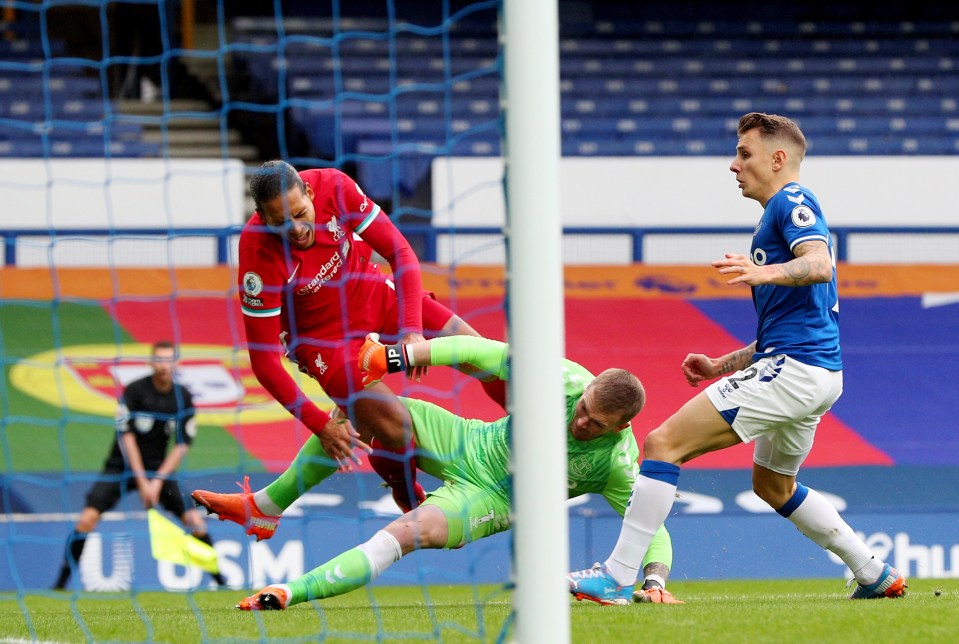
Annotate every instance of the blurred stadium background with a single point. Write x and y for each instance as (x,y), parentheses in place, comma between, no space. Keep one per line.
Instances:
(127,134)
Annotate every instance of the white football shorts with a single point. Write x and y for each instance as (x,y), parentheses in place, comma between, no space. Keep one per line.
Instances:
(777,402)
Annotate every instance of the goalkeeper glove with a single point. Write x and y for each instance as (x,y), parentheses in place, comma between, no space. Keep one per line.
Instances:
(377,359)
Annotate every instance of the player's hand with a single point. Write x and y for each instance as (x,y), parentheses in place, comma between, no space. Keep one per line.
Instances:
(149,490)
(697,368)
(376,359)
(338,439)
(417,372)
(740,268)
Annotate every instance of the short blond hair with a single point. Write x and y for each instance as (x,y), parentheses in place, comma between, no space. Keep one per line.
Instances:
(617,391)
(773,126)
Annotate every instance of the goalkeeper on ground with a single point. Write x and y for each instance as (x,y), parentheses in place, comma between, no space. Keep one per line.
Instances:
(472,458)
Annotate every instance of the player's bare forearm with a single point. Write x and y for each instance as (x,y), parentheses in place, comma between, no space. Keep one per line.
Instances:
(739,359)
(131,452)
(698,367)
(812,265)
(172,461)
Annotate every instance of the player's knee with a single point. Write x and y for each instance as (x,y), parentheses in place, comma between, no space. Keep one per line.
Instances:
(656,447)
(384,419)
(458,326)
(423,528)
(434,526)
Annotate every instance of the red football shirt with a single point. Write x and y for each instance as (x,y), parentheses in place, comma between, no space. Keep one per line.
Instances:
(328,283)
(317,292)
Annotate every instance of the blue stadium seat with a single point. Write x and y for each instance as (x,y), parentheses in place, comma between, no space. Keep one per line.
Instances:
(630,85)
(75,148)
(34,86)
(584,147)
(29,48)
(70,109)
(381,165)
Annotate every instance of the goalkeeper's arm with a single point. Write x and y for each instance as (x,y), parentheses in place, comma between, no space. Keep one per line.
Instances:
(490,357)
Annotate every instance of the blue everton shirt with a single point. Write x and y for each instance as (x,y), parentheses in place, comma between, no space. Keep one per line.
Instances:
(801,322)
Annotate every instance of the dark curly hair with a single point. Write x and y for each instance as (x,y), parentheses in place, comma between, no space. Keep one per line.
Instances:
(272,179)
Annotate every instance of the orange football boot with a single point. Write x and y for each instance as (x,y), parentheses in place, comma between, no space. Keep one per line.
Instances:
(239,508)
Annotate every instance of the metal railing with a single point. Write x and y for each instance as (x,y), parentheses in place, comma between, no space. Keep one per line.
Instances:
(426,238)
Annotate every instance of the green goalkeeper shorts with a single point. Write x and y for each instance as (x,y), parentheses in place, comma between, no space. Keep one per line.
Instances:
(471,457)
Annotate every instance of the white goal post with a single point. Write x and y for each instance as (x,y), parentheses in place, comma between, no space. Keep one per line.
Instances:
(536,324)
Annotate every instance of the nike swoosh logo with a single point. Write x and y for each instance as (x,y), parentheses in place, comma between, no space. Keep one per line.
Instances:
(293,274)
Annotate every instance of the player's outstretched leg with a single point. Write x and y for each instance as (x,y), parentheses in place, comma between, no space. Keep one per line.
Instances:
(597,585)
(889,584)
(239,508)
(819,520)
(259,512)
(344,573)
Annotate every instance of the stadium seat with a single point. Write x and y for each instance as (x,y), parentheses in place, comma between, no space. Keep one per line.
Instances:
(381,164)
(629,86)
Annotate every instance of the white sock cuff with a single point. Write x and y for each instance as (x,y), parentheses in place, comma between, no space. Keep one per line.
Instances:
(659,580)
(382,551)
(265,504)
(286,589)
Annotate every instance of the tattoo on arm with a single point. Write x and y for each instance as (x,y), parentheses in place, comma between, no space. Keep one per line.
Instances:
(738,359)
(812,265)
(796,271)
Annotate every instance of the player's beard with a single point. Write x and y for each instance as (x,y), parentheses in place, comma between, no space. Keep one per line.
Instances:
(163,381)
(304,242)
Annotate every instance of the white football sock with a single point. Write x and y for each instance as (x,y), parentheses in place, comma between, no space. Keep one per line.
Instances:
(265,504)
(818,519)
(655,578)
(649,506)
(383,550)
(286,589)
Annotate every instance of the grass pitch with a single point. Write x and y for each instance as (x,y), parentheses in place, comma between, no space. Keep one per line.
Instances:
(726,611)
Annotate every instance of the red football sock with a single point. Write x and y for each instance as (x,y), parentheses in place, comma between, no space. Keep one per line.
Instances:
(496,390)
(398,468)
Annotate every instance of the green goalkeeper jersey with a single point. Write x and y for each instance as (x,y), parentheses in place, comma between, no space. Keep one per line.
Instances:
(607,465)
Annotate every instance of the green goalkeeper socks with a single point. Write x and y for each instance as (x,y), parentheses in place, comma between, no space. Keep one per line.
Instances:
(348,571)
(311,465)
